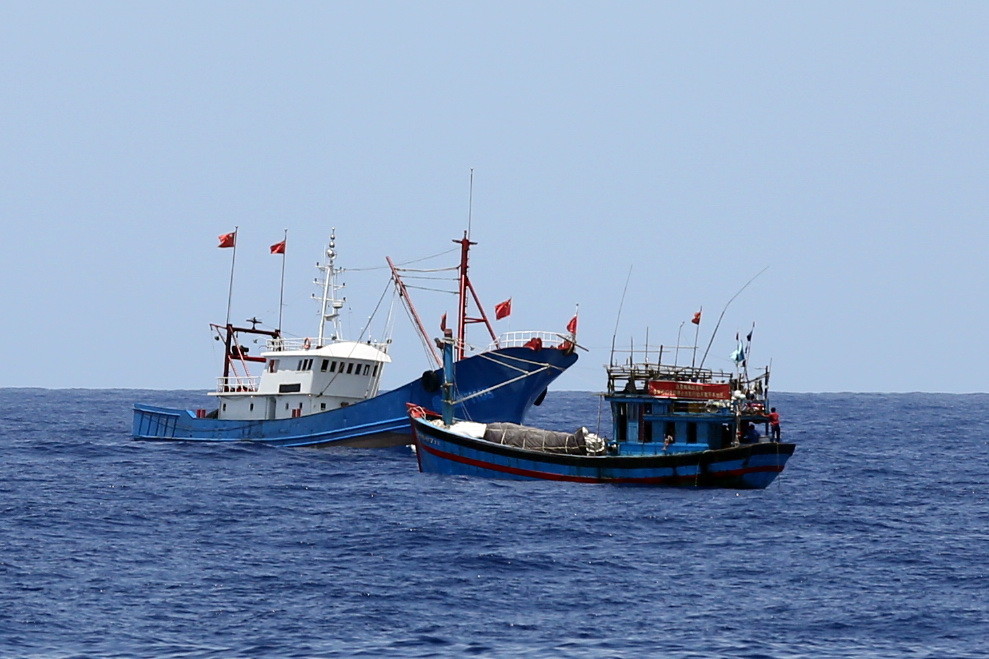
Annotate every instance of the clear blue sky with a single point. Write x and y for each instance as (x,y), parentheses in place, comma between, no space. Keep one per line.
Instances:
(843,144)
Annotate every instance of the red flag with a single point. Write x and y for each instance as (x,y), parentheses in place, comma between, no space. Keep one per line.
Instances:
(443,324)
(227,239)
(278,248)
(503,309)
(696,320)
(572,325)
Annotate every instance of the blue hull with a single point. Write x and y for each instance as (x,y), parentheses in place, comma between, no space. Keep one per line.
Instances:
(382,420)
(752,466)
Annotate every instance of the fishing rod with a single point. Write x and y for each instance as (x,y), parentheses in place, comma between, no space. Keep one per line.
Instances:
(718,324)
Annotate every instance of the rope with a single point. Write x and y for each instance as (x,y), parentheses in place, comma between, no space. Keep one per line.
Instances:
(503,384)
(524,361)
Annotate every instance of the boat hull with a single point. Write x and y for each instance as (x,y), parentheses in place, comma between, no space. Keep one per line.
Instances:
(383,420)
(752,466)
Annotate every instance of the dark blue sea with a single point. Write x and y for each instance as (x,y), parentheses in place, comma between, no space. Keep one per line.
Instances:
(873,542)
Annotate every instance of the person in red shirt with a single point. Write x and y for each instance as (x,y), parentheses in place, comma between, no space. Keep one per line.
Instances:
(774,425)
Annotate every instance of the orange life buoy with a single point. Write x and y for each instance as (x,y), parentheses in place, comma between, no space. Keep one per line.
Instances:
(306,344)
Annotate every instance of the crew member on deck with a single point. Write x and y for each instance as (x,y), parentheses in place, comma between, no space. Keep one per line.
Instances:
(749,433)
(774,424)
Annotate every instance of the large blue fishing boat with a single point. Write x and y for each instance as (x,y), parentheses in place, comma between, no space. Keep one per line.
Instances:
(672,425)
(325,390)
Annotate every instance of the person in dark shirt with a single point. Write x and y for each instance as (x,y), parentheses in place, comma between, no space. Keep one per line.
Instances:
(749,433)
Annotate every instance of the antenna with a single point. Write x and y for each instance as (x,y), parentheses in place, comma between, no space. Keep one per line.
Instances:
(470,201)
(331,304)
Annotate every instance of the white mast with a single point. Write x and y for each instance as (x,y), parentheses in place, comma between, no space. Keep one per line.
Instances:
(330,303)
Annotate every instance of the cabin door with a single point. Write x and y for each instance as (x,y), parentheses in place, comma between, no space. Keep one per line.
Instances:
(269,412)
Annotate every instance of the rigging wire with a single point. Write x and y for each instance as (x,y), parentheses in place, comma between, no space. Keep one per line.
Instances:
(367,325)
(433,290)
(430,278)
(419,260)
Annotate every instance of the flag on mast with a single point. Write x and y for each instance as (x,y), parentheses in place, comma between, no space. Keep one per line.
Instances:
(278,248)
(696,320)
(572,325)
(230,240)
(503,309)
(738,354)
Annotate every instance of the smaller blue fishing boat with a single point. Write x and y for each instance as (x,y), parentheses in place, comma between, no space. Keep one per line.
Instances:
(672,426)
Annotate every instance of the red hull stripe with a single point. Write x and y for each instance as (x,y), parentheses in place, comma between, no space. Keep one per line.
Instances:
(545,475)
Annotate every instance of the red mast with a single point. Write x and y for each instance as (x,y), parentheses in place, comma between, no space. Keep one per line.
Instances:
(464,286)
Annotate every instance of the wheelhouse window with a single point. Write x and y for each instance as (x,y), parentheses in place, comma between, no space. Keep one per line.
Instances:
(350,368)
(273,366)
(325,364)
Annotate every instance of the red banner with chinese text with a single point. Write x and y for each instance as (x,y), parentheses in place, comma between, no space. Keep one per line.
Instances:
(692,390)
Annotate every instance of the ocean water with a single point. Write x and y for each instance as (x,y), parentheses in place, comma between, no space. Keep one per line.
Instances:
(873,542)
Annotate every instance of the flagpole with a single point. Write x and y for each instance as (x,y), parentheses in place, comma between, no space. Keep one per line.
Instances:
(748,350)
(281,288)
(233,260)
(697,331)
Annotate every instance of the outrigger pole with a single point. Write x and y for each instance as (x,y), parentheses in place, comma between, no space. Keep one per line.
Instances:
(676,355)
(611,358)
(403,293)
(726,309)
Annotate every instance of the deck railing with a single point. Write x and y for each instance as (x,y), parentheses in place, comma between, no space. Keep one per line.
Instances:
(519,339)
(283,344)
(237,384)
(635,376)
(277,345)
